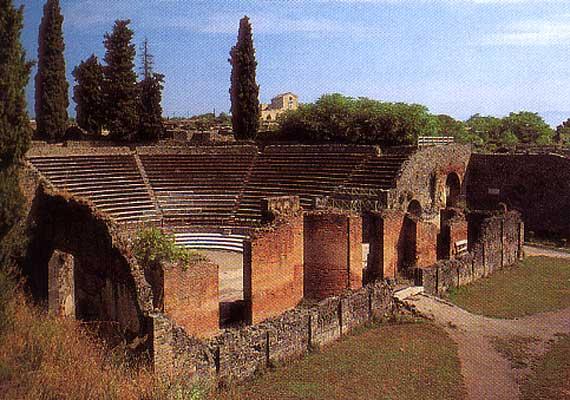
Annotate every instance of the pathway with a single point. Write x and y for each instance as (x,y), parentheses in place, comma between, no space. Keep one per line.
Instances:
(487,374)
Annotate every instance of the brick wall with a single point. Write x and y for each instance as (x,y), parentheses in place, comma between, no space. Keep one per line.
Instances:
(389,231)
(191,297)
(238,354)
(426,243)
(273,269)
(458,230)
(333,254)
(499,244)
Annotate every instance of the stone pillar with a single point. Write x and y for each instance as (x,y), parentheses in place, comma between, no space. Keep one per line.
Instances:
(61,285)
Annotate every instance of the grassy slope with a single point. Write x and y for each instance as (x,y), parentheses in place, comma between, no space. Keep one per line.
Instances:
(396,361)
(551,377)
(537,284)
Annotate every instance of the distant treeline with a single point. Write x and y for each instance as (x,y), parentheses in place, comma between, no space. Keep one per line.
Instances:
(338,118)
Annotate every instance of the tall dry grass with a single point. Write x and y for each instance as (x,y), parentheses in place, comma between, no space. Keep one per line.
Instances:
(45,357)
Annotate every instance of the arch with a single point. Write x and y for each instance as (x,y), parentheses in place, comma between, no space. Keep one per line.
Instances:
(452,190)
(109,289)
(415,208)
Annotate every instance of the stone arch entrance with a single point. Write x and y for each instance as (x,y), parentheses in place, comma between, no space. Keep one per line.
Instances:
(452,190)
(77,266)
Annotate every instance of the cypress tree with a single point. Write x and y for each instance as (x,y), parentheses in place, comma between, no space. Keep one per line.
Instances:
(51,85)
(88,95)
(244,91)
(15,132)
(150,89)
(151,127)
(120,84)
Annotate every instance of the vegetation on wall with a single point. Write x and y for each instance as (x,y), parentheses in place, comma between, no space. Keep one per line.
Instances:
(51,84)
(152,246)
(244,90)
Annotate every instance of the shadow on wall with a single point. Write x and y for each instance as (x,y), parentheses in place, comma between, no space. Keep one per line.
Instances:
(106,290)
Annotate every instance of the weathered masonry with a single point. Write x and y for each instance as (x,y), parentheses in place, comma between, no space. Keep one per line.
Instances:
(306,241)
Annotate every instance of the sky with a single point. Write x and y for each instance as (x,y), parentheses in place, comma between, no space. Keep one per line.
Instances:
(457,57)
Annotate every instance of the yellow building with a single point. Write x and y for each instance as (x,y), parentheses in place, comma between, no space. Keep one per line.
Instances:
(279,104)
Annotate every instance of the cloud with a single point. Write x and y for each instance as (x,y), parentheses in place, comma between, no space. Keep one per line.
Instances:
(533,32)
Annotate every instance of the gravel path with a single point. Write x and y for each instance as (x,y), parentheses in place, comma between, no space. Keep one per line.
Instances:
(487,373)
(541,251)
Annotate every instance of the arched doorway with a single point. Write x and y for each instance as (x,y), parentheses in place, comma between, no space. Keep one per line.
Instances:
(452,190)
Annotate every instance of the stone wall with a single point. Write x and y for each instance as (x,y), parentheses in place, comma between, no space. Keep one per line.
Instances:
(499,244)
(273,269)
(332,254)
(109,285)
(537,185)
(191,297)
(238,354)
(61,284)
(424,174)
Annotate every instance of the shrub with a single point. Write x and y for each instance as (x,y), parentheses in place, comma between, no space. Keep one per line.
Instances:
(153,246)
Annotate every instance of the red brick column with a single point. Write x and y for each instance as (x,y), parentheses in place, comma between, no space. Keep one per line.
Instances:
(191,297)
(333,254)
(273,269)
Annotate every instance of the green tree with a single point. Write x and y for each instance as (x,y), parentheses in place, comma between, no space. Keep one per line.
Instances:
(88,95)
(337,118)
(527,127)
(15,132)
(51,84)
(120,85)
(488,128)
(562,135)
(150,89)
(244,90)
(150,110)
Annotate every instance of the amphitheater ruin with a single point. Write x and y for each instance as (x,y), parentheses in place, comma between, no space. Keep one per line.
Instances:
(304,242)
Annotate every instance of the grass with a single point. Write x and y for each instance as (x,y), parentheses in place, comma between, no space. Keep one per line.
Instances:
(517,350)
(393,361)
(535,285)
(551,376)
(44,357)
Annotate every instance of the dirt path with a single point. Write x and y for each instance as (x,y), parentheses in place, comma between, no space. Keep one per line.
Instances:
(487,374)
(541,251)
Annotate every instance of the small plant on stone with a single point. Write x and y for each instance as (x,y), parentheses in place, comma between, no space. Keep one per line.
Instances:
(153,246)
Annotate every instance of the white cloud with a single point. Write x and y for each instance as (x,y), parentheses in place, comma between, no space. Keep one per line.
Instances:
(551,31)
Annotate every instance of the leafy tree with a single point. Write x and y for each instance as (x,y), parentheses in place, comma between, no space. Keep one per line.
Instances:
(337,118)
(244,90)
(15,132)
(51,84)
(150,110)
(563,132)
(488,128)
(88,95)
(527,127)
(120,85)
